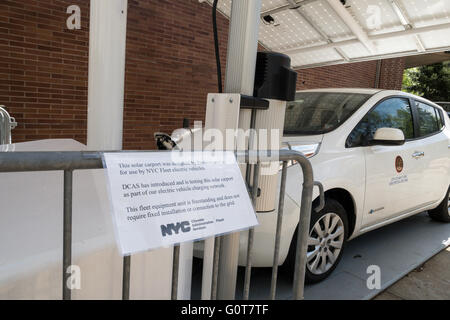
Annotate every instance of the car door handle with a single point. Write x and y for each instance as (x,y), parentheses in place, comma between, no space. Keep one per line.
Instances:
(418,154)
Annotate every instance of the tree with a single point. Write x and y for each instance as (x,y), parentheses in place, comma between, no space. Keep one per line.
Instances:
(431,82)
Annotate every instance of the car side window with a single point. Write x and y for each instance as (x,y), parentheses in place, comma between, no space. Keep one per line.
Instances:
(390,113)
(429,119)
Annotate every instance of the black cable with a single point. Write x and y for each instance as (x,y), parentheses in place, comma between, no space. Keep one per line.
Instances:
(216,45)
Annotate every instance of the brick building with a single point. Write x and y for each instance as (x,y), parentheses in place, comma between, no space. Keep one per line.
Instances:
(170,67)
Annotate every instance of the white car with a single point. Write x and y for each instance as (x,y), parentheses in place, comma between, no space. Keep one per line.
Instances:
(381,156)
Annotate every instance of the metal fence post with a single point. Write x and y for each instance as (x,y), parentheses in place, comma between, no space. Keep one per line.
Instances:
(251,234)
(276,254)
(215,274)
(67,233)
(175,271)
(126,278)
(303,230)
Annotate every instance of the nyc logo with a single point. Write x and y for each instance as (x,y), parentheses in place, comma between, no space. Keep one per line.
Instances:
(171,228)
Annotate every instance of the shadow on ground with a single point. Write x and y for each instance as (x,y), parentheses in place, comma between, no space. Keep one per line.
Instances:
(397,249)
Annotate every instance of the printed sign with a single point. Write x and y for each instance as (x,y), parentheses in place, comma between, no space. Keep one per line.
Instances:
(160,199)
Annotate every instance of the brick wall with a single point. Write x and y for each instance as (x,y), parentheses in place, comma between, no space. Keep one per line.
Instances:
(43,69)
(170,67)
(358,75)
(361,75)
(392,73)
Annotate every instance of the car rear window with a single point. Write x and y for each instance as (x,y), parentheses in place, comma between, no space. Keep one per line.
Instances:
(429,119)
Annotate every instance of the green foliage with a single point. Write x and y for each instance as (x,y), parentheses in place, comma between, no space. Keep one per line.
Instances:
(431,82)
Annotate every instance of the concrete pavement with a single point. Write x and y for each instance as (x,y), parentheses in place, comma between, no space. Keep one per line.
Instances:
(431,281)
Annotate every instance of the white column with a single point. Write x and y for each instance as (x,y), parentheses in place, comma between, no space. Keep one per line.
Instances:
(240,78)
(151,272)
(107,43)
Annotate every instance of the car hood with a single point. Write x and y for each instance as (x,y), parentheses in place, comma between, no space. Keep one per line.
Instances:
(303,139)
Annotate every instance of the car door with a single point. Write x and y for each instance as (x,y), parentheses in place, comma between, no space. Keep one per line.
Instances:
(392,174)
(433,152)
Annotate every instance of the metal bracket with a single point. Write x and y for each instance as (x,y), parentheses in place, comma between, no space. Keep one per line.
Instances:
(249,102)
(321,197)
(13,123)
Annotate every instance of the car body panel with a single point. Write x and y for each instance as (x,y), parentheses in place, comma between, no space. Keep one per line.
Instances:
(354,170)
(388,191)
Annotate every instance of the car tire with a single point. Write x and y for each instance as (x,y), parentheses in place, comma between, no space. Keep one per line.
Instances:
(325,246)
(442,212)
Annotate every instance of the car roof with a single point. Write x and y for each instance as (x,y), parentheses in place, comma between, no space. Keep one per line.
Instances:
(371,91)
(344,90)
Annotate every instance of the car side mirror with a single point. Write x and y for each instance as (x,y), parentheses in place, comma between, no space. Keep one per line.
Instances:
(388,137)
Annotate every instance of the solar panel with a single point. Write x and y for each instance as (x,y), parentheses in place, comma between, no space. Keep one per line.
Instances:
(324,32)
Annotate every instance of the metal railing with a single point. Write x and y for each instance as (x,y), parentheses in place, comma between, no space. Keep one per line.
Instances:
(7,123)
(70,161)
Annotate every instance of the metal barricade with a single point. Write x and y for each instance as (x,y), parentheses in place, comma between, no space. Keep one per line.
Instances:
(284,156)
(70,161)
(7,123)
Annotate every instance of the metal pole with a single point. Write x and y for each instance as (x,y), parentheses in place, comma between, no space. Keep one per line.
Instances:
(251,145)
(303,230)
(126,278)
(276,255)
(3,127)
(215,273)
(175,271)
(67,233)
(208,267)
(240,78)
(251,234)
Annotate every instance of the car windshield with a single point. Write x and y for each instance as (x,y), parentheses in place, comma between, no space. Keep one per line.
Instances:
(321,112)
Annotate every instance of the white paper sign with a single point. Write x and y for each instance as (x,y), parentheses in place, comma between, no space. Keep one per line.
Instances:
(159,199)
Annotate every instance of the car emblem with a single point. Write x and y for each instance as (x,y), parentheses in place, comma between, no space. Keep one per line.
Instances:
(399,164)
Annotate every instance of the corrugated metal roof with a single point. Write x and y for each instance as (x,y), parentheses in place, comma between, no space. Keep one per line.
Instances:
(323,32)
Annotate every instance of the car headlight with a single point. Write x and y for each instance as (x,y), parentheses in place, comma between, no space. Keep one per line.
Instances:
(309,149)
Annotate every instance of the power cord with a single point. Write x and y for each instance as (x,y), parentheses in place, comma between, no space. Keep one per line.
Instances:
(216,45)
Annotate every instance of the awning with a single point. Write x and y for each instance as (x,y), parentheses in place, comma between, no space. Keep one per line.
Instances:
(325,32)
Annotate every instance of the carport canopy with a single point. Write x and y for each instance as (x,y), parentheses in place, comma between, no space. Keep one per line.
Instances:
(326,32)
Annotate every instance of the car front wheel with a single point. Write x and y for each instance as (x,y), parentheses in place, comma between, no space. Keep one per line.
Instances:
(327,237)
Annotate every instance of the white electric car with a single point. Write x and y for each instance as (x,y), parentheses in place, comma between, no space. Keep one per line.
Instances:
(381,156)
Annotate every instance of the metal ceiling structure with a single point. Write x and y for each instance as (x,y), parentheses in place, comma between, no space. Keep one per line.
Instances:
(426,59)
(326,32)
